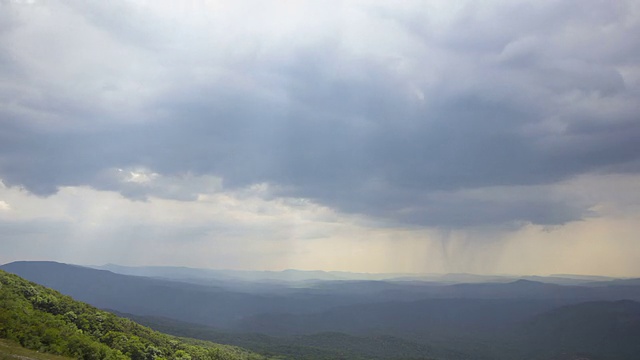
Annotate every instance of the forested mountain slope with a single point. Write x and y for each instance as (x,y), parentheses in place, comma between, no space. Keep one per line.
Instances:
(43,319)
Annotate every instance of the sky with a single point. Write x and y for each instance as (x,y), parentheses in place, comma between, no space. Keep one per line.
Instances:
(493,137)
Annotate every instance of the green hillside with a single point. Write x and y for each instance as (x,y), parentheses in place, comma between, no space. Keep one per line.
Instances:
(10,350)
(42,319)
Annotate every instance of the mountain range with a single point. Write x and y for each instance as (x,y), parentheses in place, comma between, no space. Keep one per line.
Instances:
(317,314)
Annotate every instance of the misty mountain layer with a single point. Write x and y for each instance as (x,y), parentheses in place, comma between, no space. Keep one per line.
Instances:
(293,314)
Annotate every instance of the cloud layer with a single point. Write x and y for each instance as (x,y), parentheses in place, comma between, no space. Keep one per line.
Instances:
(426,115)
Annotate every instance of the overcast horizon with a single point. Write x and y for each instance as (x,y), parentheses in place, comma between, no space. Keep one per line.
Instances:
(362,136)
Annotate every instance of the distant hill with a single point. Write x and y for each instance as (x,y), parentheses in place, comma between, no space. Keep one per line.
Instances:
(372,319)
(587,331)
(413,319)
(603,329)
(290,275)
(211,276)
(226,307)
(148,296)
(42,319)
(326,345)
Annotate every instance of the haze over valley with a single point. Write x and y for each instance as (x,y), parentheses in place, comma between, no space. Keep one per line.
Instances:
(298,314)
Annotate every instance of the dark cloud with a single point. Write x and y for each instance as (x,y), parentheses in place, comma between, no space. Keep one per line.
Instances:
(354,132)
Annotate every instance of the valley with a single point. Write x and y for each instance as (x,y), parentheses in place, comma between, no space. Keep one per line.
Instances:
(314,315)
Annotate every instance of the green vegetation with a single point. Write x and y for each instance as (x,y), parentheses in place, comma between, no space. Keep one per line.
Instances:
(10,350)
(320,346)
(42,319)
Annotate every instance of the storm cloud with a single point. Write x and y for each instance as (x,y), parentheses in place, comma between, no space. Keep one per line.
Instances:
(419,114)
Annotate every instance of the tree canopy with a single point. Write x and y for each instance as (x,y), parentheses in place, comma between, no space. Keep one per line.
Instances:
(43,319)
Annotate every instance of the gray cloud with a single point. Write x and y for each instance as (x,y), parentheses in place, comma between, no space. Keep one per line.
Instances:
(500,95)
